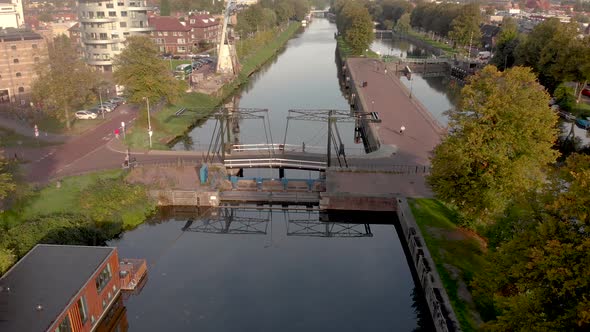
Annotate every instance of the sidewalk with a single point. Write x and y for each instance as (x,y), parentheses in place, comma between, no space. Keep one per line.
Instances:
(24,129)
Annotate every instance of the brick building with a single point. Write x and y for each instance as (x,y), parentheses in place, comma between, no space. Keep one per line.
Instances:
(62,288)
(20,52)
(171,35)
(181,37)
(204,27)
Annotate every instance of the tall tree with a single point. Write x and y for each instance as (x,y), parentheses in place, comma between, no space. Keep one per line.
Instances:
(540,280)
(465,27)
(355,23)
(506,45)
(403,24)
(63,81)
(143,74)
(500,138)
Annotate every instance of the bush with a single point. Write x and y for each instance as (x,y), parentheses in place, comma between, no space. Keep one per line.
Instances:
(564,97)
(7,259)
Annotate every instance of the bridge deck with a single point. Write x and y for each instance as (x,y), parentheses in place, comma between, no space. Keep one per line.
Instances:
(270,197)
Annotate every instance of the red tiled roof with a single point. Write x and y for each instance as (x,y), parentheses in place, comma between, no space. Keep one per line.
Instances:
(167,23)
(202,21)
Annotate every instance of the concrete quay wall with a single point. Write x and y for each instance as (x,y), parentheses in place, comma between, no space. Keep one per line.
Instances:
(439,304)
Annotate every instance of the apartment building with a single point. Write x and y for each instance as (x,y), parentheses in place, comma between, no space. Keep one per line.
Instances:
(204,27)
(11,14)
(20,51)
(171,35)
(104,26)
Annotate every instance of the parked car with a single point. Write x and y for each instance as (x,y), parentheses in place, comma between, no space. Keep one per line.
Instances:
(104,107)
(583,123)
(113,106)
(95,110)
(118,100)
(86,115)
(586,92)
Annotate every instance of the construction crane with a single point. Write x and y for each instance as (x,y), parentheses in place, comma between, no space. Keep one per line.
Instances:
(227,59)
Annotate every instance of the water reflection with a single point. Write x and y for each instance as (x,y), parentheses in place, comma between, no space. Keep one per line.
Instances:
(259,269)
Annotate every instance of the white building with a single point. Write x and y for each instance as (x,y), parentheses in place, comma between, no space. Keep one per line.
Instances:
(104,26)
(11,14)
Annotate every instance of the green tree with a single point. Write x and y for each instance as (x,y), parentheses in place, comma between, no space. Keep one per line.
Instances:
(6,181)
(506,44)
(499,140)
(143,74)
(465,27)
(403,24)
(539,279)
(63,81)
(355,23)
(164,7)
(285,10)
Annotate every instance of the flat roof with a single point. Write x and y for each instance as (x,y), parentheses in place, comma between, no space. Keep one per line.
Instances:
(18,34)
(50,276)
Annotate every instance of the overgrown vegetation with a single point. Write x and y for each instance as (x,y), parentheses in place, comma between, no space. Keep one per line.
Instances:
(453,249)
(81,210)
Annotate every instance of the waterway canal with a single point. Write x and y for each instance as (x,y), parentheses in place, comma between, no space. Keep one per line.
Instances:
(281,269)
(262,270)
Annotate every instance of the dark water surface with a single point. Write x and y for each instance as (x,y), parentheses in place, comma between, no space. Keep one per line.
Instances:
(263,270)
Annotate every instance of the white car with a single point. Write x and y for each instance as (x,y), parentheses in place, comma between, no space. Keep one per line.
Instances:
(85,115)
(103,107)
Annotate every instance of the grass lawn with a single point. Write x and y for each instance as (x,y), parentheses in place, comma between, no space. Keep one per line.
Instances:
(581,109)
(453,249)
(65,199)
(9,139)
(445,47)
(52,125)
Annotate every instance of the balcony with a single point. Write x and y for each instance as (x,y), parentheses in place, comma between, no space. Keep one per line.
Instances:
(101,41)
(99,62)
(140,29)
(102,19)
(138,6)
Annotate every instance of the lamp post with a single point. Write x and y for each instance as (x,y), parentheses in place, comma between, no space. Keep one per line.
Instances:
(150,132)
(100,97)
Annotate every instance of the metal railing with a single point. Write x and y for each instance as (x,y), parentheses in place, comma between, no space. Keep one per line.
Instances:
(276,163)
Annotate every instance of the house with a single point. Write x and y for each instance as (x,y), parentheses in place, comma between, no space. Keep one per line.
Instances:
(171,35)
(64,288)
(204,28)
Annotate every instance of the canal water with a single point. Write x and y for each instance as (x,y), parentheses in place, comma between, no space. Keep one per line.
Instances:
(262,269)
(272,270)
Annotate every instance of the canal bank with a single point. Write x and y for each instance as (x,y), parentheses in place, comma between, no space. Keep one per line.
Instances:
(169,128)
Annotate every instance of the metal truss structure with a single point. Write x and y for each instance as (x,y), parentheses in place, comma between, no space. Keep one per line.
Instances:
(230,221)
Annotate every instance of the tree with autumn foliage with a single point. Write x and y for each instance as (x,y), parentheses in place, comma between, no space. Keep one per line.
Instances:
(499,140)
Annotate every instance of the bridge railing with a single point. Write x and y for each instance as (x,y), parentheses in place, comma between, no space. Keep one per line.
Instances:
(279,148)
(275,162)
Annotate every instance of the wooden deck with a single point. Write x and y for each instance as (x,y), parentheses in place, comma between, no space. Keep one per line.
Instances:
(131,273)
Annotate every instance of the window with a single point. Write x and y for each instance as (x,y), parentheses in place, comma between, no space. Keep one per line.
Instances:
(83,308)
(180,41)
(123,24)
(34,46)
(13,47)
(133,14)
(112,14)
(65,325)
(15,60)
(103,46)
(181,49)
(165,33)
(159,33)
(123,14)
(113,26)
(114,47)
(90,14)
(110,5)
(100,14)
(18,75)
(104,277)
(21,89)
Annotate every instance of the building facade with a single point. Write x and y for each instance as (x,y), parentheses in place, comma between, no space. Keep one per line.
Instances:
(204,28)
(20,52)
(11,14)
(171,35)
(80,289)
(104,26)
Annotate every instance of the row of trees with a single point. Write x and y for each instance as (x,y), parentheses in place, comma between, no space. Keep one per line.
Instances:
(496,165)
(457,22)
(355,24)
(553,49)
(65,83)
(268,14)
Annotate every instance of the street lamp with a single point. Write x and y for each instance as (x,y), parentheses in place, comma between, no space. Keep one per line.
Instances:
(150,132)
(100,97)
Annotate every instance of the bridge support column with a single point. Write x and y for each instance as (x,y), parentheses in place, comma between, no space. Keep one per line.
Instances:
(281,173)
(240,173)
